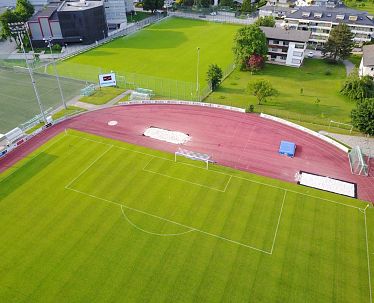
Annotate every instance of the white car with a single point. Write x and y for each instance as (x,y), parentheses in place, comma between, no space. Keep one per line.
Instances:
(310,55)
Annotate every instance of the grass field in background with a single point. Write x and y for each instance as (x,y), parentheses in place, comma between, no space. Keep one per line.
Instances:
(363,5)
(88,219)
(311,77)
(18,101)
(167,49)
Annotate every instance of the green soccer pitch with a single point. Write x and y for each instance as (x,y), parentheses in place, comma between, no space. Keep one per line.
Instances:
(89,219)
(167,49)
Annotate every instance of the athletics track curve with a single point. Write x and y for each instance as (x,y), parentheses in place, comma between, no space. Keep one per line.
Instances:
(241,141)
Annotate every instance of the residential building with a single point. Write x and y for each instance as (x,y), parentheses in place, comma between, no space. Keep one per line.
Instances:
(320,20)
(367,61)
(286,47)
(69,22)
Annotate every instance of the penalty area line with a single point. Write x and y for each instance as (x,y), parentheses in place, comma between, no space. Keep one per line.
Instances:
(171,221)
(223,173)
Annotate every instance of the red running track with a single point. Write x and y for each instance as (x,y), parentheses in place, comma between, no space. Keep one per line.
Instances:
(238,140)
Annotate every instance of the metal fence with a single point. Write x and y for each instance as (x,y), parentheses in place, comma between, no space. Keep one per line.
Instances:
(220,18)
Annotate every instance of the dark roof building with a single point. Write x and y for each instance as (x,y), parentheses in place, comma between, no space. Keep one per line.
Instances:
(286,47)
(320,20)
(69,22)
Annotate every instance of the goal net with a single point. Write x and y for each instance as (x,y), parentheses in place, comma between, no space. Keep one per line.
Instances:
(358,161)
(193,156)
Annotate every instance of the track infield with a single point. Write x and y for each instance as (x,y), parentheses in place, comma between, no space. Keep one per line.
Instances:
(97,219)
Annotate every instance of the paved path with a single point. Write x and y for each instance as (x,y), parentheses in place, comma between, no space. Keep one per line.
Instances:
(349,66)
(366,144)
(88,106)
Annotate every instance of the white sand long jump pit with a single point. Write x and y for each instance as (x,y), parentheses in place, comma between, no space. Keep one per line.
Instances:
(169,136)
(328,184)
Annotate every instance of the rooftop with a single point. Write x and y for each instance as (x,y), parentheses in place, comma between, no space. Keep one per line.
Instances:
(283,34)
(70,6)
(46,12)
(368,55)
(335,15)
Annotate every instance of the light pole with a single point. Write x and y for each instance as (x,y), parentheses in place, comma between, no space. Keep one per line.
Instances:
(197,74)
(17,28)
(49,42)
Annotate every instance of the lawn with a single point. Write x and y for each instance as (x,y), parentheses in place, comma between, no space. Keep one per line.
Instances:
(318,80)
(158,55)
(18,101)
(102,96)
(89,219)
(363,5)
(70,110)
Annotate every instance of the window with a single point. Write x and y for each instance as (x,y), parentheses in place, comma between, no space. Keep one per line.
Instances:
(352,18)
(297,54)
(340,17)
(318,15)
(299,46)
(296,61)
(306,14)
(275,41)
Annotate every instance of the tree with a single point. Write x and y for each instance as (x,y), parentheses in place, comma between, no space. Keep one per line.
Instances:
(188,2)
(204,3)
(24,9)
(7,17)
(340,43)
(153,5)
(255,63)
(363,116)
(249,40)
(246,6)
(228,3)
(267,21)
(261,89)
(214,75)
(356,88)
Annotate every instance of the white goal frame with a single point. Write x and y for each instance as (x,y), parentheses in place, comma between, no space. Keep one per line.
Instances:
(193,156)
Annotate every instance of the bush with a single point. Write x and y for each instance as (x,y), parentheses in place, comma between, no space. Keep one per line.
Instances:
(57,47)
(250,109)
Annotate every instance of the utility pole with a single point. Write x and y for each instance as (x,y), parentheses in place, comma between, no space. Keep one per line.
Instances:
(49,43)
(18,28)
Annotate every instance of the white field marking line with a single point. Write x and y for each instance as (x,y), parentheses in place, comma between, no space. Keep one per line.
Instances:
(279,218)
(150,232)
(227,184)
(190,182)
(171,221)
(88,167)
(368,258)
(179,179)
(42,151)
(238,177)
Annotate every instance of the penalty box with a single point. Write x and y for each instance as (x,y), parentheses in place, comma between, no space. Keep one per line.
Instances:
(210,201)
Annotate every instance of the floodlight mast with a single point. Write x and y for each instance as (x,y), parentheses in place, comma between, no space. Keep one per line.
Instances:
(17,28)
(49,44)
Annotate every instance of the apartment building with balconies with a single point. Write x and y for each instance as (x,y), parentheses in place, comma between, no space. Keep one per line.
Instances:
(320,21)
(286,47)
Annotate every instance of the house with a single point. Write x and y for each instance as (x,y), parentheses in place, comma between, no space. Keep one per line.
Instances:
(367,62)
(69,22)
(116,10)
(321,20)
(286,47)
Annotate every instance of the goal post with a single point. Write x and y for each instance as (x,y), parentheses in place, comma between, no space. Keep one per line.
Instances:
(358,161)
(193,156)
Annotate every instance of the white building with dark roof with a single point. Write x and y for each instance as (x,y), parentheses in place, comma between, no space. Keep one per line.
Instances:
(320,21)
(286,47)
(367,62)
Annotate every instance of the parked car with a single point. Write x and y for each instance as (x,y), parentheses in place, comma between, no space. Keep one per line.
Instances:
(310,55)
